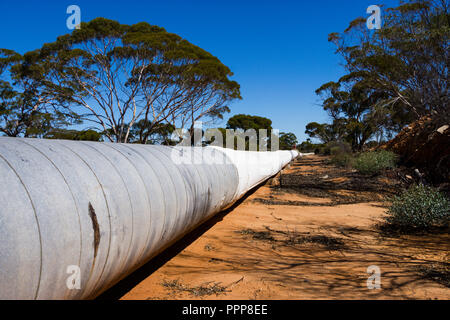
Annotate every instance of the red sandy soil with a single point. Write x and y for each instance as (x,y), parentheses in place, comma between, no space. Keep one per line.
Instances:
(304,243)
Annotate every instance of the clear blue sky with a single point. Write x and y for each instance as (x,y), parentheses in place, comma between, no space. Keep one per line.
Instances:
(277,50)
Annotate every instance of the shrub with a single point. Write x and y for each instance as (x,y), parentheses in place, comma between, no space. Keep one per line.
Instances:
(335,147)
(308,147)
(420,207)
(343,159)
(375,162)
(341,153)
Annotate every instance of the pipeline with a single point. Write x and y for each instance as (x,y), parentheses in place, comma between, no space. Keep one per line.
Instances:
(76,217)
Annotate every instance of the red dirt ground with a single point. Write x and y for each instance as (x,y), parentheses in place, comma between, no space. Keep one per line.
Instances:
(284,243)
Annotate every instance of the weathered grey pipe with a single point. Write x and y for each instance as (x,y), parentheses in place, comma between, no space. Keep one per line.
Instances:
(107,208)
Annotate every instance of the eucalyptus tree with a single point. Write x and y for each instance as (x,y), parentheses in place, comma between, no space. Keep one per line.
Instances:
(143,131)
(394,75)
(7,92)
(71,134)
(353,112)
(115,75)
(406,62)
(253,132)
(288,141)
(27,108)
(322,131)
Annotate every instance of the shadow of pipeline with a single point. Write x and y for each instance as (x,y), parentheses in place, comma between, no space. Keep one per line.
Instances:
(132,280)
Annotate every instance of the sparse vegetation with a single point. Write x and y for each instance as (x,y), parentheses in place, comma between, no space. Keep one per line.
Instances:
(368,163)
(257,235)
(309,147)
(341,154)
(420,207)
(388,80)
(343,160)
(372,163)
(330,243)
(205,289)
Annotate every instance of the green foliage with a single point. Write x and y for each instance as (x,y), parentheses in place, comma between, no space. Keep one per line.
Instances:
(390,73)
(375,162)
(346,160)
(420,207)
(322,131)
(341,154)
(115,76)
(287,141)
(252,124)
(243,131)
(246,122)
(353,113)
(334,147)
(145,132)
(27,109)
(66,134)
(309,147)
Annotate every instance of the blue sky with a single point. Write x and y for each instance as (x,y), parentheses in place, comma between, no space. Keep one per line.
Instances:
(277,50)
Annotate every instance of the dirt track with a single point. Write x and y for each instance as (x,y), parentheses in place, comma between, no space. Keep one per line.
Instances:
(313,238)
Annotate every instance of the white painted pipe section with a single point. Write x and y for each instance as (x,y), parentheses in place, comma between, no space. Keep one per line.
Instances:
(105,209)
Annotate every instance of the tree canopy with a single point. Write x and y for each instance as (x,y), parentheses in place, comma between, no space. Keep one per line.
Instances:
(395,75)
(27,107)
(287,141)
(120,78)
(247,131)
(246,122)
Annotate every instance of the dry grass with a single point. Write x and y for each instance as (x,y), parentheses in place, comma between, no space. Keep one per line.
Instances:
(205,289)
(257,235)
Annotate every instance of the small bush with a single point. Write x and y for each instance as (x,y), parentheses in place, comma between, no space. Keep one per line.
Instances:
(375,162)
(335,147)
(307,147)
(420,207)
(335,150)
(343,159)
(341,154)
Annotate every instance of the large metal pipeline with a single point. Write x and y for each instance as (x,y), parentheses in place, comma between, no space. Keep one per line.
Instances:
(90,213)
